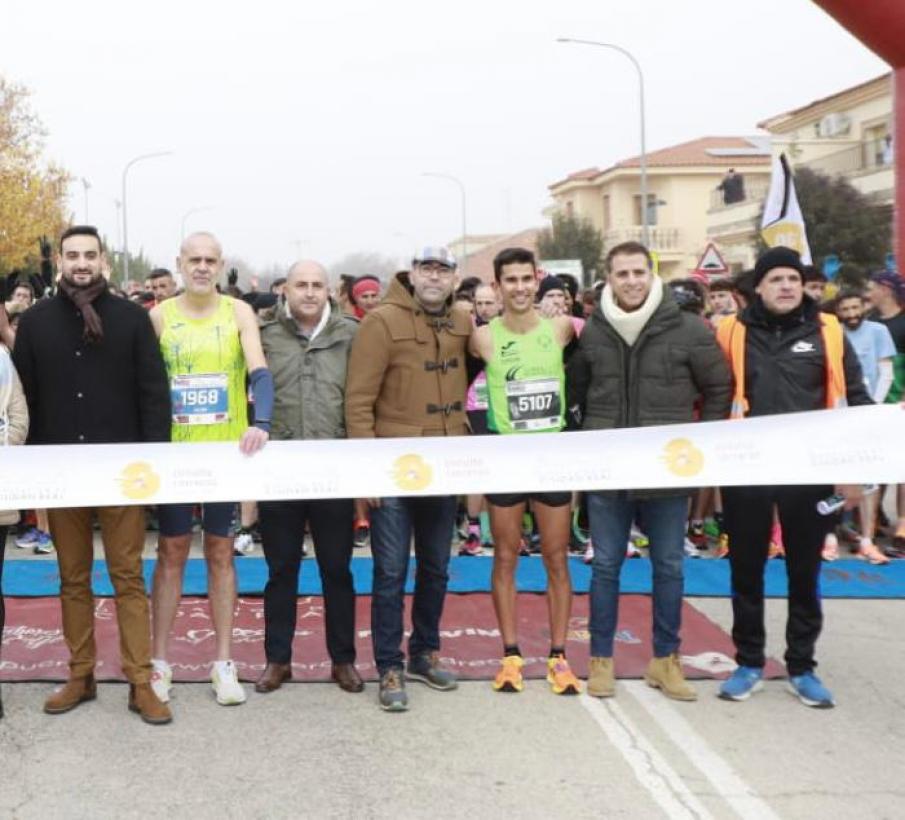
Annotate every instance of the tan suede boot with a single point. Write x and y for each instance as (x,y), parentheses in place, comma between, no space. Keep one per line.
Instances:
(666,674)
(143,701)
(601,680)
(73,693)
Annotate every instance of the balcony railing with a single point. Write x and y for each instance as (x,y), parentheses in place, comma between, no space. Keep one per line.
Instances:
(661,239)
(755,191)
(870,155)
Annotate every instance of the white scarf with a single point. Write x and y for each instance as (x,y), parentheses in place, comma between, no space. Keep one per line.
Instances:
(322,322)
(629,324)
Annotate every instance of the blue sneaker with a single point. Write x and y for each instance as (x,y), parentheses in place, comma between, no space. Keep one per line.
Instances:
(744,682)
(43,543)
(810,691)
(27,539)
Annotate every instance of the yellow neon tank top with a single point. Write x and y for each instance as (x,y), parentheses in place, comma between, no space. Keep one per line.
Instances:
(206,369)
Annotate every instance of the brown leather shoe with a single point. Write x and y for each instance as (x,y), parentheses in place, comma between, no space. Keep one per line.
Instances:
(143,701)
(347,677)
(273,676)
(70,695)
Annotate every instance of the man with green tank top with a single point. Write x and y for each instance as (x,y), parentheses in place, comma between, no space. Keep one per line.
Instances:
(523,355)
(209,342)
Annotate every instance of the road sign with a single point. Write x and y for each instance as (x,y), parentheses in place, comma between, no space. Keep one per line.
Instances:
(711,262)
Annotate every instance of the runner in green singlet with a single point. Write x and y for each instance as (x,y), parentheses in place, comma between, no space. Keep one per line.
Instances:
(209,342)
(523,355)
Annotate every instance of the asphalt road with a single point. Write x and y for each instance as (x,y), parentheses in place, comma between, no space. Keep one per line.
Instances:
(312,750)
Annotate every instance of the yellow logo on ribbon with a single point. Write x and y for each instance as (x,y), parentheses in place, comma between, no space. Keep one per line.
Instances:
(139,481)
(683,458)
(411,472)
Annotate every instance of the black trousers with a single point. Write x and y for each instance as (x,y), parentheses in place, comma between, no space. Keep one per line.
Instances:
(282,526)
(748,518)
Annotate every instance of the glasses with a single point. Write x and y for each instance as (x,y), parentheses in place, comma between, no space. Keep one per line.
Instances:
(435,269)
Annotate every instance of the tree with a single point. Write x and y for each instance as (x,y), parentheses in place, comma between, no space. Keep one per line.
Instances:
(841,220)
(572,238)
(32,194)
(365,263)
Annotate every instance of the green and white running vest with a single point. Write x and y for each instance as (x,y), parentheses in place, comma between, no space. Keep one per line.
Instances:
(525,380)
(206,368)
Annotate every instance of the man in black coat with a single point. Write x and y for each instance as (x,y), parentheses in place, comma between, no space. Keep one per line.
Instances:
(92,373)
(786,357)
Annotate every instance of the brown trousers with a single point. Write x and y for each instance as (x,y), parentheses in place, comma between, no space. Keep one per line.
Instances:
(123,535)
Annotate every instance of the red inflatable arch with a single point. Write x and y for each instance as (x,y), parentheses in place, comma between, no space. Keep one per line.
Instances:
(880,25)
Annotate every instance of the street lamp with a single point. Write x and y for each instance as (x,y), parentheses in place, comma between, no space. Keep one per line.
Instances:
(463,269)
(86,185)
(645,233)
(129,164)
(187,214)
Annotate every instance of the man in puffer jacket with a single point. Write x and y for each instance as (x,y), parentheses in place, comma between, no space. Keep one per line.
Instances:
(642,362)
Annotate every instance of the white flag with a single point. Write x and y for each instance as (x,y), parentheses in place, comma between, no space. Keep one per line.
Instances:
(783,223)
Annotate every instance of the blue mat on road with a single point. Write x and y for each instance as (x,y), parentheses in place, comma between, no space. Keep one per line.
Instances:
(703,577)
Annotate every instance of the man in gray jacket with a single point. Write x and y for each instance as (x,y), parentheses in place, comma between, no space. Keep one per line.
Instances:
(642,362)
(307,347)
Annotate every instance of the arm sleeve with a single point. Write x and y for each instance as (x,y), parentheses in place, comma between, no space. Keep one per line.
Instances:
(578,377)
(368,362)
(261,380)
(17,413)
(855,392)
(152,384)
(711,374)
(884,381)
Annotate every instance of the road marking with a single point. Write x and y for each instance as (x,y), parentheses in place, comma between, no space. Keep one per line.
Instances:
(650,768)
(743,800)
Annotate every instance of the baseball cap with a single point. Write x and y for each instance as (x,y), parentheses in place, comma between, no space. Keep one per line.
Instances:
(434,253)
(891,280)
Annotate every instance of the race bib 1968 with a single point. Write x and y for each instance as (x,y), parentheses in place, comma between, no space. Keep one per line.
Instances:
(201,398)
(534,404)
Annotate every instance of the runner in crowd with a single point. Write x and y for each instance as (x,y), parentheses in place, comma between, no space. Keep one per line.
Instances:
(641,361)
(209,342)
(886,293)
(876,350)
(477,536)
(407,377)
(786,357)
(13,431)
(92,373)
(307,348)
(523,355)
(23,294)
(722,303)
(365,295)
(815,284)
(161,284)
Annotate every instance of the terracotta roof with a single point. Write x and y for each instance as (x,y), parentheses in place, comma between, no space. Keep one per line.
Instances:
(796,111)
(696,152)
(481,263)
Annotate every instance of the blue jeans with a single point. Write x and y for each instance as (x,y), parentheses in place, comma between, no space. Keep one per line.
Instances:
(663,521)
(431,520)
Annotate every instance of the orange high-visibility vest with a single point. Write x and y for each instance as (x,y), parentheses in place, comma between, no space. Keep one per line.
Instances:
(730,334)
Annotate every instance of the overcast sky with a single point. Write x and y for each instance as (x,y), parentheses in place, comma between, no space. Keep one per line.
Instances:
(313,122)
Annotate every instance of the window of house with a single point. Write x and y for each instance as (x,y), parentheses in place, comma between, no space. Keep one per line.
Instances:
(651,209)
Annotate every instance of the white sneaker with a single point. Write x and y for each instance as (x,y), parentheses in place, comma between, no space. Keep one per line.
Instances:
(243,544)
(161,679)
(225,683)
(691,551)
(631,551)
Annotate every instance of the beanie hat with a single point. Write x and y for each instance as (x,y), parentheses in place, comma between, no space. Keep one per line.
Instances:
(891,280)
(778,257)
(549,283)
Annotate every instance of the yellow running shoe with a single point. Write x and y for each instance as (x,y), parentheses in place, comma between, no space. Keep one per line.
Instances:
(509,678)
(561,678)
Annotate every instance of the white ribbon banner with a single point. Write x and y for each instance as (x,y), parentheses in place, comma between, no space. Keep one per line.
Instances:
(852,446)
